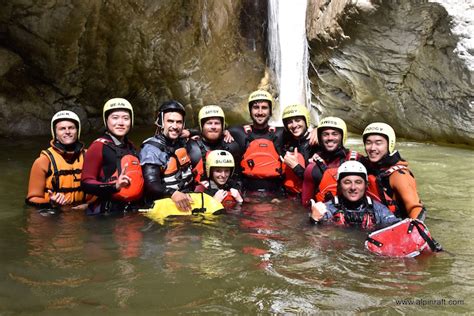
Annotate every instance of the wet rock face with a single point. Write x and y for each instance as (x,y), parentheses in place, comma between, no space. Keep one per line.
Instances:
(76,55)
(396,62)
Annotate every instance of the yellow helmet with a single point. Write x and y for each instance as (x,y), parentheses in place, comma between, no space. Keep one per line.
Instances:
(384,130)
(333,123)
(117,104)
(219,158)
(260,95)
(295,110)
(211,111)
(65,115)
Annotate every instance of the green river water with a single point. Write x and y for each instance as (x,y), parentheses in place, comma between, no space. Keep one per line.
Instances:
(264,258)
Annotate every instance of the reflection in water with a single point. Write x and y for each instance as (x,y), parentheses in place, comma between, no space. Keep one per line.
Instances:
(261,258)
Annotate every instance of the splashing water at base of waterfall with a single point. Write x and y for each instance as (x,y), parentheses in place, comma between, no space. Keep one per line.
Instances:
(288,53)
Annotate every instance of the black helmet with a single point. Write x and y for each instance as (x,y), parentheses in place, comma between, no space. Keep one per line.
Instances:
(169,106)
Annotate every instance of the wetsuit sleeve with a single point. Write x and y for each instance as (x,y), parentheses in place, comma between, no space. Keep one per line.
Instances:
(310,183)
(239,136)
(193,132)
(37,184)
(404,188)
(383,216)
(154,186)
(194,152)
(92,172)
(298,170)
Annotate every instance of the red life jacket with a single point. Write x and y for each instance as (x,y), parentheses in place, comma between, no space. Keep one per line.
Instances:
(261,159)
(292,182)
(328,184)
(379,192)
(126,159)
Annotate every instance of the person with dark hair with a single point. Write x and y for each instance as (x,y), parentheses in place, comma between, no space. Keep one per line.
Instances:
(296,150)
(320,175)
(260,143)
(351,206)
(165,161)
(390,180)
(111,167)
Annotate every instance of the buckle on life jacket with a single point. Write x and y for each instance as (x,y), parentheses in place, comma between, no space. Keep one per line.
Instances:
(250,163)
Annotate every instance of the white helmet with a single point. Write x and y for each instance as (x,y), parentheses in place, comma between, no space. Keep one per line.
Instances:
(65,115)
(350,168)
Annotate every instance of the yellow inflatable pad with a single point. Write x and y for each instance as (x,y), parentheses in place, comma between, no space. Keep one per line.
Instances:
(202,204)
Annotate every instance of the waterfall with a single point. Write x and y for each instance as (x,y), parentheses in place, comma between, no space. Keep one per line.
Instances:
(288,53)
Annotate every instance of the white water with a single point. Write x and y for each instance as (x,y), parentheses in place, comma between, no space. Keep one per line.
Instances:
(288,52)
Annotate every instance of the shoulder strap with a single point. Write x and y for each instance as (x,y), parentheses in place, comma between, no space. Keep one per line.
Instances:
(55,183)
(247,129)
(392,169)
(351,155)
(320,162)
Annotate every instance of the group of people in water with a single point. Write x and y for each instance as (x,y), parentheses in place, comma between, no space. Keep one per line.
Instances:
(231,164)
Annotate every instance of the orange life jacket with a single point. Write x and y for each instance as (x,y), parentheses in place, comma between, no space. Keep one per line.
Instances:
(127,159)
(379,192)
(292,182)
(328,184)
(65,177)
(199,169)
(261,159)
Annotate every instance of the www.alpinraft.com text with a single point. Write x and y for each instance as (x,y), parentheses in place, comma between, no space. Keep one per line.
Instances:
(429,302)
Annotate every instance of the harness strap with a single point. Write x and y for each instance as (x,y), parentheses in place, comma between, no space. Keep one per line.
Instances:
(433,244)
(55,170)
(320,162)
(375,242)
(352,155)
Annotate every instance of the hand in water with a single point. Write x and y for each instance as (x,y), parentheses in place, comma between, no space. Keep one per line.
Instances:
(182,200)
(58,198)
(236,195)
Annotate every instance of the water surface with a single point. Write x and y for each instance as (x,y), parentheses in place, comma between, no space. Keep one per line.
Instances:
(262,258)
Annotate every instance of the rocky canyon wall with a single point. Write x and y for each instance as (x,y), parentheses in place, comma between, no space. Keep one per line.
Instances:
(407,63)
(399,62)
(77,54)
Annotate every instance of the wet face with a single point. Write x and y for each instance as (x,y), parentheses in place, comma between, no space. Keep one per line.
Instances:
(172,125)
(331,139)
(352,187)
(119,123)
(376,147)
(260,113)
(212,129)
(66,132)
(220,175)
(296,126)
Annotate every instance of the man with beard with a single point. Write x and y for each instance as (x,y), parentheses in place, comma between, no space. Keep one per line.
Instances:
(165,161)
(260,144)
(320,176)
(212,124)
